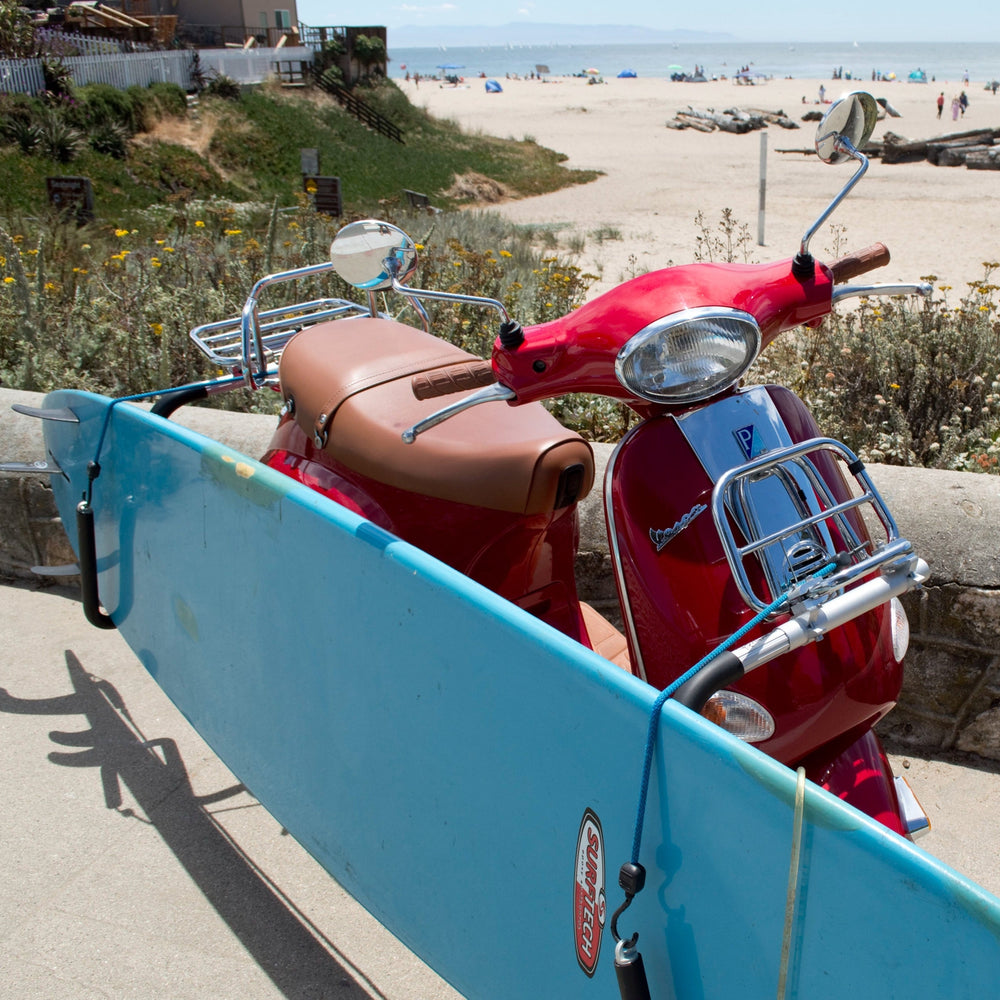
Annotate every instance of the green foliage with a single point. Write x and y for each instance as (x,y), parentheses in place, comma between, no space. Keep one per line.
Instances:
(26,133)
(58,139)
(110,310)
(255,145)
(369,50)
(902,382)
(109,138)
(56,74)
(224,87)
(899,381)
(332,75)
(101,104)
(17,36)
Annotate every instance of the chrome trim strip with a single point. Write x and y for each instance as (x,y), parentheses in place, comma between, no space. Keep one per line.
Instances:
(628,619)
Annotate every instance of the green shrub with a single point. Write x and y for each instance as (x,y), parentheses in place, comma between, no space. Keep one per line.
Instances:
(225,87)
(24,132)
(59,140)
(168,99)
(101,104)
(901,381)
(110,138)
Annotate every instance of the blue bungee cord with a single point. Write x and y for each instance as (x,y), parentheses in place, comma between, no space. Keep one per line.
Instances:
(629,969)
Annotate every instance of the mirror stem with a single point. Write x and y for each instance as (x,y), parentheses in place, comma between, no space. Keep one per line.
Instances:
(802,266)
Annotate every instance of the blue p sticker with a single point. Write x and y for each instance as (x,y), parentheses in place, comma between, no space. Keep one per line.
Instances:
(749,440)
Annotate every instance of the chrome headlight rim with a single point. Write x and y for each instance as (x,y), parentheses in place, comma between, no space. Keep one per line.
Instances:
(663,326)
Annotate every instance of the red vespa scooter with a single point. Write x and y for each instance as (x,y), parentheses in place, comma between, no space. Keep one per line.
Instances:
(726,509)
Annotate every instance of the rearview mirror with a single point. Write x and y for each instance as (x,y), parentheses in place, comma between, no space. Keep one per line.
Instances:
(852,117)
(370,254)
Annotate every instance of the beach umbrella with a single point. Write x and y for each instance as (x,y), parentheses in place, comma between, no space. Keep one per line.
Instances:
(492,87)
(592,71)
(675,66)
(627,73)
(450,66)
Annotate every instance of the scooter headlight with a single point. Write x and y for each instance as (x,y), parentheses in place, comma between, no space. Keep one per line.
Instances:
(690,355)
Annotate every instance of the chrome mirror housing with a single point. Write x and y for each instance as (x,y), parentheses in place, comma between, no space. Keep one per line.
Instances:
(371,255)
(851,118)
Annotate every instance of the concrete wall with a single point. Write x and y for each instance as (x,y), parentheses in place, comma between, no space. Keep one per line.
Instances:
(951,696)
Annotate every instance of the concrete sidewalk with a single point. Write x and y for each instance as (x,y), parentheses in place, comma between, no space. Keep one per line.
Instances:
(134,867)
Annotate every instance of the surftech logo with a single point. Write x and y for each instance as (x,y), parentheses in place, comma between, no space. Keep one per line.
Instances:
(590,907)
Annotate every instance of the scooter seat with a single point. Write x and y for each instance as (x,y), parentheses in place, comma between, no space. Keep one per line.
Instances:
(349,383)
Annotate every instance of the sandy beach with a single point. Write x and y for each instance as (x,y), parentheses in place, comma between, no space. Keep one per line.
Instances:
(935,220)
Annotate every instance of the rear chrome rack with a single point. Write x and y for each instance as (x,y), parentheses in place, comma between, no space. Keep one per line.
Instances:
(823,534)
(252,342)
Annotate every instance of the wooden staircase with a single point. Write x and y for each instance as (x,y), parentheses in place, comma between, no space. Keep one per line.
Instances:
(365,113)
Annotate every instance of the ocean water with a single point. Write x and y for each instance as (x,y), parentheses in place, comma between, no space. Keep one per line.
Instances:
(943,62)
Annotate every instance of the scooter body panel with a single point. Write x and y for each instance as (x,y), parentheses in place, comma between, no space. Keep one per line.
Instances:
(677,588)
(526,558)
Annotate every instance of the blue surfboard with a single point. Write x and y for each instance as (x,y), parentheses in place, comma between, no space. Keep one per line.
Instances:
(469,774)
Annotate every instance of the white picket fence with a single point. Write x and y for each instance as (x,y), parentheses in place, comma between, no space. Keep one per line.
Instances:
(62,42)
(127,69)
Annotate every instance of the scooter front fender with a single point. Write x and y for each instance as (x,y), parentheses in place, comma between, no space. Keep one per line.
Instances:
(862,777)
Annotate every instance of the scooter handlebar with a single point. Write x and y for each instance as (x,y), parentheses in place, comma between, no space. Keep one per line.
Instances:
(452,379)
(846,268)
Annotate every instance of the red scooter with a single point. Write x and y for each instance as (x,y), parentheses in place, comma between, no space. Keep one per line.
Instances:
(726,510)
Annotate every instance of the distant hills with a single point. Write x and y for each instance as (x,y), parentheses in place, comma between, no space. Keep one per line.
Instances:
(519,33)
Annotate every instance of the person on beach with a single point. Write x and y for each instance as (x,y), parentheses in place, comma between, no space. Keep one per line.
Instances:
(940,103)
(956,108)
(963,100)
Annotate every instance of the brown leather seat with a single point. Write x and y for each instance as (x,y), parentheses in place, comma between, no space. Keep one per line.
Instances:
(350,383)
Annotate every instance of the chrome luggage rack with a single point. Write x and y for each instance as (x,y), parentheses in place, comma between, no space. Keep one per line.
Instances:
(251,343)
(790,567)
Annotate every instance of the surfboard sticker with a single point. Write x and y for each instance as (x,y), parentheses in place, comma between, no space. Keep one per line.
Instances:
(589,902)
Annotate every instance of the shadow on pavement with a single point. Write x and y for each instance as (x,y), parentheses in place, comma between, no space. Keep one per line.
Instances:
(299,960)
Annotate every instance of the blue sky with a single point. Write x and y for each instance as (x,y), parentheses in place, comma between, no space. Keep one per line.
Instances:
(750,20)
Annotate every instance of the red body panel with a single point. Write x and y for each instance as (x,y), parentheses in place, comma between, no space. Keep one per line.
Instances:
(683,602)
(526,558)
(862,776)
(577,352)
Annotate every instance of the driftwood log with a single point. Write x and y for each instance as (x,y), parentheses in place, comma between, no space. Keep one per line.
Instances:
(738,120)
(943,150)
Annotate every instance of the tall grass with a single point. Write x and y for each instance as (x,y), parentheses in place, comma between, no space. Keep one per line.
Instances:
(111,312)
(898,380)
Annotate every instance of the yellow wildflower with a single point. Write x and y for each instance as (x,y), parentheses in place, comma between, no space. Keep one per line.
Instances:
(121,232)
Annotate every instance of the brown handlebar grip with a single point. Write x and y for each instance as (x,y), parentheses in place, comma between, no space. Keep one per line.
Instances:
(454,378)
(877,255)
